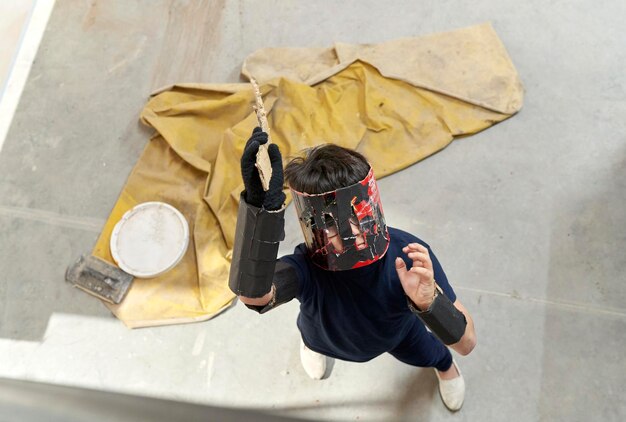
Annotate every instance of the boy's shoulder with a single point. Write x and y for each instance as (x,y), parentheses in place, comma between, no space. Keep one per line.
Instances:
(402,238)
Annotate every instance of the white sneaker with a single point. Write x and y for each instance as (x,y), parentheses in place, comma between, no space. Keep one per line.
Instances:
(314,364)
(452,391)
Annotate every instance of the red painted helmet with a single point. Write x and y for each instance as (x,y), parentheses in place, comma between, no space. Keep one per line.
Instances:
(354,214)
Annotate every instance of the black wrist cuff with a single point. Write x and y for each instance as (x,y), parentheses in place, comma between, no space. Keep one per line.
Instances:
(257,238)
(443,319)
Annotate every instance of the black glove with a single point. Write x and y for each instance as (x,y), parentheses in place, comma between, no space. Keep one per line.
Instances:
(254,194)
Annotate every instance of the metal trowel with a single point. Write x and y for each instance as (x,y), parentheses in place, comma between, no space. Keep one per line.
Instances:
(99,278)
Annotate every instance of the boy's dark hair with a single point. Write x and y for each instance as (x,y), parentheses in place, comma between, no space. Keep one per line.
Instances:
(326,168)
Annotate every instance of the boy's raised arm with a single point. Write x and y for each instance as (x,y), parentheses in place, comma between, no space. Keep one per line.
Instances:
(255,274)
(430,304)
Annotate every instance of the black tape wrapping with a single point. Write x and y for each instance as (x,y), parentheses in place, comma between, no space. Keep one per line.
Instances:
(443,319)
(285,286)
(257,237)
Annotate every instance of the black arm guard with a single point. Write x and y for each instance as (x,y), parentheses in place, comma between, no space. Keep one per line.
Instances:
(285,287)
(443,319)
(257,237)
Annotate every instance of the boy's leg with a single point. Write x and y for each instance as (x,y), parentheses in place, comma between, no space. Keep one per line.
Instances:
(422,348)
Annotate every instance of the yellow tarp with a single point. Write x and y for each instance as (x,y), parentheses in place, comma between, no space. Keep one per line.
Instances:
(396,103)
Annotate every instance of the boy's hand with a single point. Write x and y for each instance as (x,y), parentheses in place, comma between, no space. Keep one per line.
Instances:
(418,282)
(274,198)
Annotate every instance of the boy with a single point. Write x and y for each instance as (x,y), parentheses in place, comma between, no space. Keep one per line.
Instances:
(364,288)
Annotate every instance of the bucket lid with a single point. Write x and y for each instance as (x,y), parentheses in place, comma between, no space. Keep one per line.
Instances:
(150,239)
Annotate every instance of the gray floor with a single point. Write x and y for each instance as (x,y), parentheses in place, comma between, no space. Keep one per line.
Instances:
(528,217)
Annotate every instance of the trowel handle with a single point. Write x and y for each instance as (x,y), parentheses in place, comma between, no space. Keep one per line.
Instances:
(263,164)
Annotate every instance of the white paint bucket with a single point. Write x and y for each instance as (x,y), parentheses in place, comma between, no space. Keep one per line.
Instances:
(150,239)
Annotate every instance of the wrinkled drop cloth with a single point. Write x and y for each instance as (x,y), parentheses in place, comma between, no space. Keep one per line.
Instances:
(396,102)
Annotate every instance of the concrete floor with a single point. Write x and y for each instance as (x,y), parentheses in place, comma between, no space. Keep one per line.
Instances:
(528,217)
(14,17)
